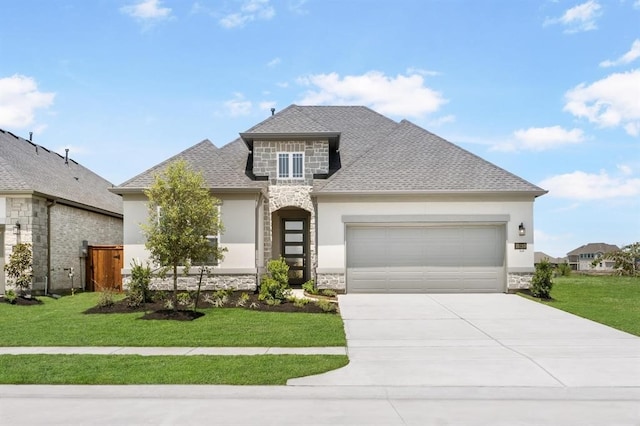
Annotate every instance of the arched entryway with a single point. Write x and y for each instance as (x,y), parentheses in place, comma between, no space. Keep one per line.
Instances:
(291,241)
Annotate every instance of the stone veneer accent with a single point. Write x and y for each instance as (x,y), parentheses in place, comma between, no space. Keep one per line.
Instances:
(519,280)
(210,283)
(290,196)
(331,281)
(265,160)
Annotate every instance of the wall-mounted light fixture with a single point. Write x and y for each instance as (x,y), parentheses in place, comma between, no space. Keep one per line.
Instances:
(16,228)
(521,231)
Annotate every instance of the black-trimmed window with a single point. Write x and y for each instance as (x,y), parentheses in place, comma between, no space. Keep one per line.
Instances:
(290,165)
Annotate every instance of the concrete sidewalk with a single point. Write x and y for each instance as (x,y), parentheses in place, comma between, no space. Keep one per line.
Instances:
(151,351)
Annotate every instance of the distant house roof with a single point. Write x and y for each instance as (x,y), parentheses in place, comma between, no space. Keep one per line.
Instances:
(593,248)
(539,256)
(26,167)
(372,154)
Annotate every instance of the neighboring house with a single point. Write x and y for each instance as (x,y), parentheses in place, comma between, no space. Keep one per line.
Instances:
(358,203)
(539,256)
(581,258)
(55,204)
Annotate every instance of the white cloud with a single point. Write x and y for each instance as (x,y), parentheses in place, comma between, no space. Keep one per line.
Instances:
(238,106)
(630,56)
(147,11)
(250,10)
(267,105)
(610,102)
(636,4)
(297,6)
(579,18)
(422,71)
(625,170)
(19,100)
(401,95)
(275,61)
(283,84)
(589,186)
(437,122)
(540,139)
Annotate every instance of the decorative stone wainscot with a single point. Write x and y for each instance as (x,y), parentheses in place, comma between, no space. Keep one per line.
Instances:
(519,280)
(331,281)
(240,282)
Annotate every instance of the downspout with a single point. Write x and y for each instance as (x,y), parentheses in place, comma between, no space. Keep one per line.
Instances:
(50,203)
(257,237)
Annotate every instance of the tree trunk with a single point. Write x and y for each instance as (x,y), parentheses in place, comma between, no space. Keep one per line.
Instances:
(175,287)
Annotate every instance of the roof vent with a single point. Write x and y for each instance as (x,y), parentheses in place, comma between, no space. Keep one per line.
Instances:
(30,136)
(273,111)
(66,156)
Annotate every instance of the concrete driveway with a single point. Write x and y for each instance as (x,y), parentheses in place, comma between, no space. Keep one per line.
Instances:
(477,340)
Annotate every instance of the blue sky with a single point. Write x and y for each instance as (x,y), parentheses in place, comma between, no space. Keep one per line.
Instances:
(549,90)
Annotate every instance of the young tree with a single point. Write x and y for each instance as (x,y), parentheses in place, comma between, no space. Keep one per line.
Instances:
(182,213)
(625,260)
(19,269)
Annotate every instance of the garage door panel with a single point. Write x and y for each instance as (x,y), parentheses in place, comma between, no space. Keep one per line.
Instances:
(425,259)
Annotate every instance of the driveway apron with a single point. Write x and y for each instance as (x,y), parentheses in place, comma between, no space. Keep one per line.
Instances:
(459,340)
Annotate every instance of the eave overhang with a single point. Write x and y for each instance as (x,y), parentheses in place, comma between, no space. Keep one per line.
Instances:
(332,137)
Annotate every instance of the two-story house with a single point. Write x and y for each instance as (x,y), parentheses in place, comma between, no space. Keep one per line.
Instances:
(581,259)
(357,202)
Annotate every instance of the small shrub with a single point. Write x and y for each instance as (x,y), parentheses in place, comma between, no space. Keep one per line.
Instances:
(299,303)
(542,280)
(328,292)
(185,299)
(253,305)
(275,286)
(140,281)
(564,270)
(326,306)
(135,299)
(243,299)
(273,302)
(310,287)
(10,296)
(106,298)
(168,304)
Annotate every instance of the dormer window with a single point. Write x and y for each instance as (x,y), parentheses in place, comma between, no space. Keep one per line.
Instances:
(290,165)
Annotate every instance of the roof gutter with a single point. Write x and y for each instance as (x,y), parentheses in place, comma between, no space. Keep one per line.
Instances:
(64,201)
(418,192)
(249,137)
(251,190)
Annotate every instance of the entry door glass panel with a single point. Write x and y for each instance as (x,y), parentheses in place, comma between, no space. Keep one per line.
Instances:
(294,249)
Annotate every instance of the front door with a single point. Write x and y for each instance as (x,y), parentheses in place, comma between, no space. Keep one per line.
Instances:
(294,249)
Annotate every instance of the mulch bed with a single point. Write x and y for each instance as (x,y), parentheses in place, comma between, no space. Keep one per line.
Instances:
(157,311)
(528,293)
(23,301)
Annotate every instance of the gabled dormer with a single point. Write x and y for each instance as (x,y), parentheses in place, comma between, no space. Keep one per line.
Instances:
(290,148)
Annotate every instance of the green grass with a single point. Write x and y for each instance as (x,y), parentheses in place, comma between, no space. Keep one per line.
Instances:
(609,300)
(62,323)
(136,369)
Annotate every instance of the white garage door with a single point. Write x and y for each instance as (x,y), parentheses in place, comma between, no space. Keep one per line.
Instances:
(425,259)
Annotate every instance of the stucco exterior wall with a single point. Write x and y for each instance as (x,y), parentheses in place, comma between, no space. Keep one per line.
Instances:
(331,228)
(69,227)
(238,215)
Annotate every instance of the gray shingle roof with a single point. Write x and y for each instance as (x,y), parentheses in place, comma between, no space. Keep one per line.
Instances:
(25,166)
(412,159)
(205,157)
(376,154)
(593,248)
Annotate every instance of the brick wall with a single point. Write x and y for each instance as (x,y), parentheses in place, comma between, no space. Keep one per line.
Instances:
(69,227)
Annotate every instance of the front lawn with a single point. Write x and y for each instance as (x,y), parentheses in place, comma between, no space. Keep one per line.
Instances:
(135,369)
(609,300)
(62,323)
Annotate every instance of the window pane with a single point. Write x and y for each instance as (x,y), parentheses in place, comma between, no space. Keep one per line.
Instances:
(283,165)
(298,161)
(293,250)
(293,238)
(296,274)
(293,225)
(294,261)
(213,242)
